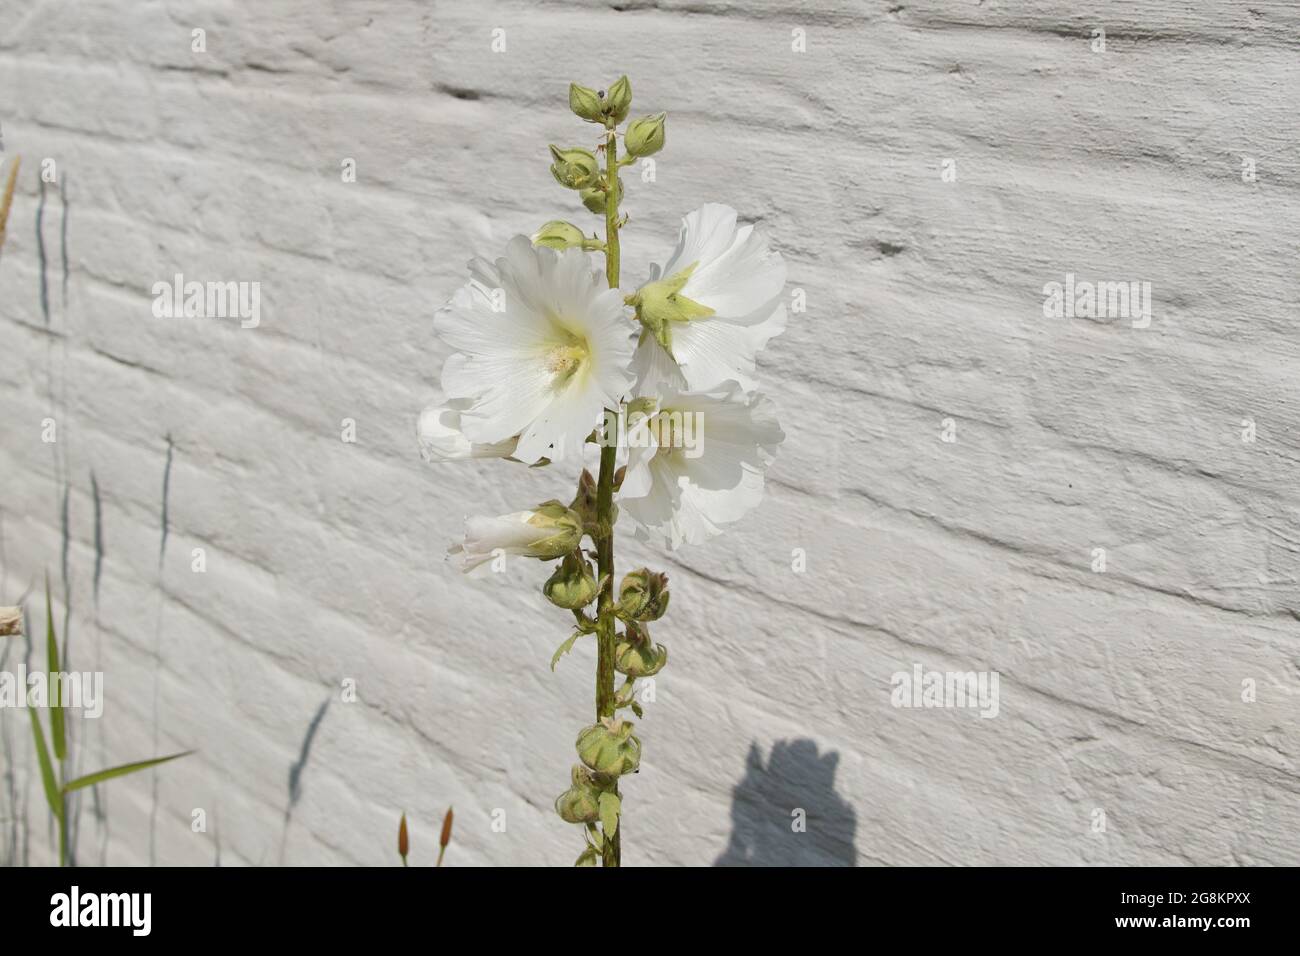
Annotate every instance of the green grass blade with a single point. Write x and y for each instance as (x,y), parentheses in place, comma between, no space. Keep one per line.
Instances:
(47,769)
(57,730)
(90,779)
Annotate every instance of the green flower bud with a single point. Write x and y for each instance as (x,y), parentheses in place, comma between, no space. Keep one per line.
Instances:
(587,103)
(581,802)
(609,109)
(643,595)
(596,198)
(636,656)
(584,504)
(645,136)
(572,586)
(618,101)
(566,528)
(575,168)
(609,747)
(558,234)
(659,304)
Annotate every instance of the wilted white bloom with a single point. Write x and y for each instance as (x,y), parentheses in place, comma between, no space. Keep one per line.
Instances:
(697,462)
(548,532)
(541,346)
(441,438)
(716,301)
(11,621)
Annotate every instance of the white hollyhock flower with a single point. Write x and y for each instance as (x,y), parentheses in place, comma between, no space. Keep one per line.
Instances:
(541,347)
(716,301)
(441,438)
(548,532)
(697,462)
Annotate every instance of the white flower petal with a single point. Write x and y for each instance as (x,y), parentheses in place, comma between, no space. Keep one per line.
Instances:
(655,369)
(711,351)
(706,233)
(564,424)
(746,278)
(638,480)
(501,396)
(654,511)
(702,513)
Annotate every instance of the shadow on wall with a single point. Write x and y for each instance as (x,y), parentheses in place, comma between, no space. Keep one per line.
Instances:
(295,773)
(765,827)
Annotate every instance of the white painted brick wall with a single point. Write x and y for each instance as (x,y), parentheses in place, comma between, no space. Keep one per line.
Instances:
(1120,690)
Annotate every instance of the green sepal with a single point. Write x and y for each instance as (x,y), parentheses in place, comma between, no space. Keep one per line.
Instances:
(660,303)
(586,103)
(574,168)
(623,696)
(565,648)
(609,811)
(618,100)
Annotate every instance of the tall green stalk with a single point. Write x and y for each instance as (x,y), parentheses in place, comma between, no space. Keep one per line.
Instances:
(611,852)
(608,748)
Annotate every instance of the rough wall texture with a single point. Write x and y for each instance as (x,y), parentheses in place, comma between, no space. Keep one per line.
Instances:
(1121,689)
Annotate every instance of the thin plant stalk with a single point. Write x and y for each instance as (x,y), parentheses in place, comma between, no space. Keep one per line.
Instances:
(611,850)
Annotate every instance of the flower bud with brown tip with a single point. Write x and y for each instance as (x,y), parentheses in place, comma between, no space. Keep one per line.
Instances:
(572,586)
(610,747)
(581,802)
(635,655)
(643,595)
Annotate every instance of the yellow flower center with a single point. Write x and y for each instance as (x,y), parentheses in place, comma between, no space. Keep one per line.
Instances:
(564,360)
(567,353)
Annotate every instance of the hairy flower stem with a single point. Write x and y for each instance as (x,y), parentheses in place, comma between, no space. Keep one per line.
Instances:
(605,638)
